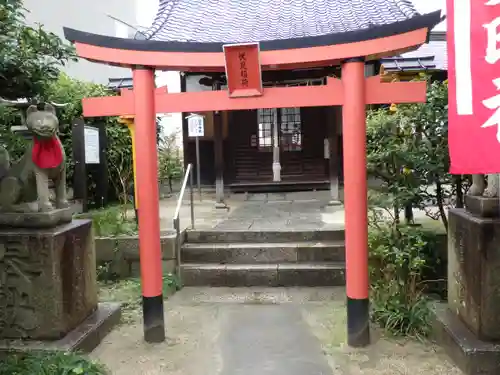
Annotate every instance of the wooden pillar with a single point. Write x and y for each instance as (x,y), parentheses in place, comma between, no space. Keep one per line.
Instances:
(80,191)
(185,143)
(356,202)
(219,154)
(102,180)
(276,145)
(332,124)
(147,190)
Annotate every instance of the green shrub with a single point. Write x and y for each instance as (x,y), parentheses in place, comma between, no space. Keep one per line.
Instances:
(53,363)
(170,166)
(400,258)
(112,221)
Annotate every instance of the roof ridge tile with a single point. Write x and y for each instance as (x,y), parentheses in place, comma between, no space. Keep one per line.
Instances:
(239,21)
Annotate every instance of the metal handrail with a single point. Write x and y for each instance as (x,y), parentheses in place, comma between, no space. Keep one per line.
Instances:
(178,240)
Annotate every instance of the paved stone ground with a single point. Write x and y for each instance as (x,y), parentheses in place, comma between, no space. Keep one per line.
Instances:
(272,211)
(278,215)
(265,331)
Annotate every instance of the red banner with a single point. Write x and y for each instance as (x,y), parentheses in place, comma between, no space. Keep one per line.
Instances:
(474,85)
(243,71)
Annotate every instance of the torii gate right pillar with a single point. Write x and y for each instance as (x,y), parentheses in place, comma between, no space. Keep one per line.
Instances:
(355,201)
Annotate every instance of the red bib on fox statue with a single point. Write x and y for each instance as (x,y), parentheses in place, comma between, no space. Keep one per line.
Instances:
(47,152)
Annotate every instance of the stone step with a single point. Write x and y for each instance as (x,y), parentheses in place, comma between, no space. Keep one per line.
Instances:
(258,236)
(273,275)
(274,252)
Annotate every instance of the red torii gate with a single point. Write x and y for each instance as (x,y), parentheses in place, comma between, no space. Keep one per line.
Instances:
(353,91)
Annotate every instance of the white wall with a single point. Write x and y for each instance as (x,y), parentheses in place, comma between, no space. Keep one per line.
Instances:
(193,84)
(172,122)
(91,16)
(429,6)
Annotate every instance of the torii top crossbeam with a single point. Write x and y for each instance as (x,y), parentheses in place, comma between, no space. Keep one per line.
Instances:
(288,35)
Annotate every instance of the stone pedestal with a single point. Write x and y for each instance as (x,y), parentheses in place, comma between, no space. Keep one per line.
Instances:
(36,219)
(469,326)
(482,206)
(474,272)
(48,288)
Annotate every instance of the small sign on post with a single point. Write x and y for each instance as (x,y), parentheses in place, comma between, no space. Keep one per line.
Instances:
(196,125)
(91,141)
(196,129)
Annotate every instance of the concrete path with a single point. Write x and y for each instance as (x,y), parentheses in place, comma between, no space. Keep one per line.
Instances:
(261,331)
(269,340)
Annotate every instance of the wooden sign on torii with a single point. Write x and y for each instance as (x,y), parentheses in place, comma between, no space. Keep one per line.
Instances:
(353,92)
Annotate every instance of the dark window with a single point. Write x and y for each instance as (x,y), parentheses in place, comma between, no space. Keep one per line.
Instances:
(291,130)
(266,119)
(289,125)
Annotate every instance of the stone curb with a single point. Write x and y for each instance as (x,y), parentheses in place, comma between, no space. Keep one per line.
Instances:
(123,253)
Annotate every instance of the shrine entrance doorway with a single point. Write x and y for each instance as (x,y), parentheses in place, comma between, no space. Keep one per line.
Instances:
(294,137)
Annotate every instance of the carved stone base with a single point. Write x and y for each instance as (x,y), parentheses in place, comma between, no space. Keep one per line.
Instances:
(470,354)
(36,219)
(48,280)
(85,337)
(474,272)
(483,206)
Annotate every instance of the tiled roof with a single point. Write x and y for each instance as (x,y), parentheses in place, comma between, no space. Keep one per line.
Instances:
(120,83)
(239,21)
(433,48)
(435,51)
(401,64)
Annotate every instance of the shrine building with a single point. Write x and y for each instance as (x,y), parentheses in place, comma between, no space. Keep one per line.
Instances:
(304,143)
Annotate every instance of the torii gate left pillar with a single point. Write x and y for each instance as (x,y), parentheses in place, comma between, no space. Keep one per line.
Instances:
(355,201)
(148,195)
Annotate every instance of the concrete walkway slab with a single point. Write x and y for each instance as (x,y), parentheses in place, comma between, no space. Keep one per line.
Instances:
(269,340)
(265,331)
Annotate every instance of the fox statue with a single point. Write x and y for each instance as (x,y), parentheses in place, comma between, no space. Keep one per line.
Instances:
(479,188)
(24,185)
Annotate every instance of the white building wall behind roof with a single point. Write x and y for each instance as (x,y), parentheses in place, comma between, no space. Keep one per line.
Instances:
(90,16)
(171,123)
(428,6)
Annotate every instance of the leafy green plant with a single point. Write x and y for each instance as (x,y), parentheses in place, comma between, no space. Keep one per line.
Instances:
(400,258)
(407,149)
(433,161)
(50,363)
(390,158)
(112,221)
(170,164)
(119,144)
(106,272)
(30,56)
